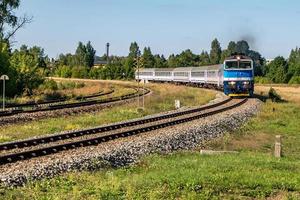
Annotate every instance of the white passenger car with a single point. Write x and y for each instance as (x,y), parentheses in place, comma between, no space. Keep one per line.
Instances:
(205,75)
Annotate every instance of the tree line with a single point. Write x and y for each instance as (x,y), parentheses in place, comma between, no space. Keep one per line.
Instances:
(124,67)
(27,66)
(282,70)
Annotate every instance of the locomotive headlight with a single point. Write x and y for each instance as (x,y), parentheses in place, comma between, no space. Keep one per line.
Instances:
(232,83)
(246,83)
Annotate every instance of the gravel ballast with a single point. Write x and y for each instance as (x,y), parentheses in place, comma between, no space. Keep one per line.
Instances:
(125,151)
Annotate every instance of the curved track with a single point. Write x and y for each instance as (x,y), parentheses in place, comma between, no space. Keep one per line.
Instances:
(50,107)
(49,102)
(16,151)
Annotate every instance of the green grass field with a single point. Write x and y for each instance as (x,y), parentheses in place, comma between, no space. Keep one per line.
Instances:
(251,174)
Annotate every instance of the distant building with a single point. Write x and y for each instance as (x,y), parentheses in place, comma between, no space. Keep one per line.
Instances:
(100,63)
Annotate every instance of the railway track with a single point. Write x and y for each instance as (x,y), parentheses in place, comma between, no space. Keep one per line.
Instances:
(26,149)
(49,102)
(51,107)
(33,105)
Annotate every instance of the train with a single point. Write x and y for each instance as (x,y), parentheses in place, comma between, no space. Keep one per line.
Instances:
(235,76)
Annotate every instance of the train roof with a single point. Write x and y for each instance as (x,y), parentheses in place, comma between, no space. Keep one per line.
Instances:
(177,69)
(163,69)
(240,56)
(207,67)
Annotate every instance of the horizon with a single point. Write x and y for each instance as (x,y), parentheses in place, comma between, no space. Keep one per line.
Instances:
(167,27)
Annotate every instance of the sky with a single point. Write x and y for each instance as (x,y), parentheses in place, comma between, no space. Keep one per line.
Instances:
(271,27)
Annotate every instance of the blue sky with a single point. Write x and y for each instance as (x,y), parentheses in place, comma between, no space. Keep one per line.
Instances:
(272,27)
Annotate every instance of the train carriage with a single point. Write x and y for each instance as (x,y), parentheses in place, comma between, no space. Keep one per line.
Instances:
(163,74)
(235,76)
(145,74)
(182,74)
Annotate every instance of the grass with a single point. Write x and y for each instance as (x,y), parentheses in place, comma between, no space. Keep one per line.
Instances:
(259,133)
(251,174)
(162,99)
(184,175)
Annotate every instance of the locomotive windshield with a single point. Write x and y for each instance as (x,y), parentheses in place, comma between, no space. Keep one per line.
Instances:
(238,65)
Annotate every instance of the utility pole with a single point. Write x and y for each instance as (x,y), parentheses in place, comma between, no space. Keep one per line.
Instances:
(139,63)
(143,95)
(4,77)
(138,69)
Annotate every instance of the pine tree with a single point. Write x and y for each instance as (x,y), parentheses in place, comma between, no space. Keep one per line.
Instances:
(91,52)
(294,63)
(215,52)
(231,47)
(148,58)
(129,66)
(242,47)
(81,55)
(204,58)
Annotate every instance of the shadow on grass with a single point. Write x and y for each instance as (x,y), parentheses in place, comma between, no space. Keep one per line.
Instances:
(264,98)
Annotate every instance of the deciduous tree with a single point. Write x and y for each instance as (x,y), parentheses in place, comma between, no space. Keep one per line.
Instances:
(9,22)
(277,70)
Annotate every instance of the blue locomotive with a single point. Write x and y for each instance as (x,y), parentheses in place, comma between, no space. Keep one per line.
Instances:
(238,76)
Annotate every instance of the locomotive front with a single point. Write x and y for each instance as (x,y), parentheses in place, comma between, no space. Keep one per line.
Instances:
(238,76)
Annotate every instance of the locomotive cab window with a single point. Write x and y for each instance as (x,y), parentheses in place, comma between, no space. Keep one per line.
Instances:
(238,65)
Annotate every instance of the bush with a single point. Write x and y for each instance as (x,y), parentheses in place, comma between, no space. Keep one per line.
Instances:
(63,71)
(49,85)
(295,80)
(95,73)
(273,95)
(262,80)
(80,85)
(79,72)
(70,85)
(67,85)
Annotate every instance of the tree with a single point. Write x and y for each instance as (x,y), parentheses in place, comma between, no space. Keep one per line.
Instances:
(187,58)
(215,52)
(277,70)
(9,22)
(173,61)
(134,50)
(129,66)
(231,47)
(81,55)
(29,64)
(294,63)
(148,58)
(91,52)
(160,61)
(242,47)
(5,68)
(259,61)
(204,58)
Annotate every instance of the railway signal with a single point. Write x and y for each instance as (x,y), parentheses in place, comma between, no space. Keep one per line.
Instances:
(4,78)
